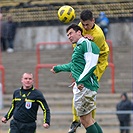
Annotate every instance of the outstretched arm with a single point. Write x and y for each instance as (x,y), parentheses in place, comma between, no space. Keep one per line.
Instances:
(63,67)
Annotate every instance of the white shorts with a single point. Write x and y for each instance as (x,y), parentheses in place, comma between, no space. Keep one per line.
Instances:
(84,101)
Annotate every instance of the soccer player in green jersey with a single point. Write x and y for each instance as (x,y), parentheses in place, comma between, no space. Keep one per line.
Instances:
(83,63)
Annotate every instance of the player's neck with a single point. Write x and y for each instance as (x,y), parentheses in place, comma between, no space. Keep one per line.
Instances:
(93,26)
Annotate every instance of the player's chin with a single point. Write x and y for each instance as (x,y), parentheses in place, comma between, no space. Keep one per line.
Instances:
(72,41)
(28,86)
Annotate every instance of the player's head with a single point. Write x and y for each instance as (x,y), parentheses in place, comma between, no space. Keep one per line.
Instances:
(87,20)
(74,33)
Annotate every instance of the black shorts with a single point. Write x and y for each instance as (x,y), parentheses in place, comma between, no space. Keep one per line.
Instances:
(20,127)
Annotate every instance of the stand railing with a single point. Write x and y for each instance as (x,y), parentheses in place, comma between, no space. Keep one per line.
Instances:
(111,65)
(2,76)
(45,65)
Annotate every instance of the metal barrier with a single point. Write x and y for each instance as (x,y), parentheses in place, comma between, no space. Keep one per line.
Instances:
(2,69)
(111,65)
(109,42)
(45,65)
(39,64)
(3,127)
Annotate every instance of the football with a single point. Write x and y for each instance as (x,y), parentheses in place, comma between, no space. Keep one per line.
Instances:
(66,14)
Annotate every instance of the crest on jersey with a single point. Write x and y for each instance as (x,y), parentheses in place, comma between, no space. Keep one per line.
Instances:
(28,104)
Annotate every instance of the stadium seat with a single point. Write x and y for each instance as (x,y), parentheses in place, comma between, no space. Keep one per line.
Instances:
(46,10)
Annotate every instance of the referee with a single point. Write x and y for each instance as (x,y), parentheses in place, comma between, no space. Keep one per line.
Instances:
(25,103)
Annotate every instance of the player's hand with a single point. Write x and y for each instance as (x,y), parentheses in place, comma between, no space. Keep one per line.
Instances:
(52,70)
(80,86)
(70,75)
(89,37)
(45,125)
(4,120)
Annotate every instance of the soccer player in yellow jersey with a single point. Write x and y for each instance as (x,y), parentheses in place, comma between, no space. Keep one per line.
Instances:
(93,32)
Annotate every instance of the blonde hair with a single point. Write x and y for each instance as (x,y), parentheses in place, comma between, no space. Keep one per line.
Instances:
(28,73)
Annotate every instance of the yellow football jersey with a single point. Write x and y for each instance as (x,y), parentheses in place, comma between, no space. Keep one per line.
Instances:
(99,39)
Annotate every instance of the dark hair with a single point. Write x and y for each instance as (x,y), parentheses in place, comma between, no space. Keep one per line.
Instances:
(86,15)
(75,27)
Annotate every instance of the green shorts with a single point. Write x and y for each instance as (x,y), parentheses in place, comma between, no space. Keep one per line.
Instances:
(84,101)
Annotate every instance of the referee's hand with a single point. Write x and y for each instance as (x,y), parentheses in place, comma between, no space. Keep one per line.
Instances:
(4,120)
(46,125)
